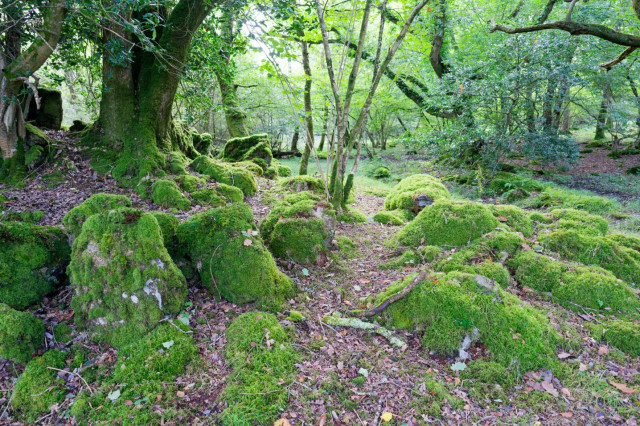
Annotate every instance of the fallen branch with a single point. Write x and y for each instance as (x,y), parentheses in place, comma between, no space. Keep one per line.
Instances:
(358,323)
(405,291)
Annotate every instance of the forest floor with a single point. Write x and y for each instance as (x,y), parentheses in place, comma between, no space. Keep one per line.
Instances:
(349,376)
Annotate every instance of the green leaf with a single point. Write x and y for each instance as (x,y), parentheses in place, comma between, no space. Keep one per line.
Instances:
(168,344)
(114,395)
(305,272)
(458,366)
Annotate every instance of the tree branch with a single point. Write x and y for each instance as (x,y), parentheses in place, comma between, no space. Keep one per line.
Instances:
(621,57)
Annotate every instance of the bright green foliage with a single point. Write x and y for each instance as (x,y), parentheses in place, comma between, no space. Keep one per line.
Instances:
(537,271)
(97,203)
(226,173)
(408,194)
(538,218)
(514,217)
(263,362)
(225,247)
(167,194)
(452,306)
(39,387)
(248,148)
(627,241)
(595,288)
(28,216)
(594,250)
(124,280)
(450,223)
(299,227)
(580,221)
(624,335)
(420,255)
(146,368)
(32,262)
(389,217)
(303,183)
(566,198)
(381,173)
(351,215)
(20,334)
(504,183)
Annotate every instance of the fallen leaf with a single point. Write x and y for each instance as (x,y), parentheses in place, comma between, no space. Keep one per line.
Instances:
(567,415)
(386,417)
(282,422)
(603,350)
(128,402)
(180,394)
(502,219)
(548,387)
(564,355)
(458,366)
(168,344)
(247,242)
(114,395)
(623,388)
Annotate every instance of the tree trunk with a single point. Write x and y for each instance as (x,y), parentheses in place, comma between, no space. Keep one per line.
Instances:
(294,140)
(636,95)
(601,121)
(548,105)
(308,118)
(566,121)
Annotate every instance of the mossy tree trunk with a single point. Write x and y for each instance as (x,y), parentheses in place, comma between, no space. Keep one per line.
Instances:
(308,118)
(601,120)
(16,67)
(135,110)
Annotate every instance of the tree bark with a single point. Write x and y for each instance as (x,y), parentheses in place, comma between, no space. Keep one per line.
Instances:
(308,118)
(294,140)
(601,121)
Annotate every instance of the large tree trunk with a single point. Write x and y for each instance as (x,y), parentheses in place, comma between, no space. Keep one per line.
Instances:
(601,121)
(135,111)
(308,118)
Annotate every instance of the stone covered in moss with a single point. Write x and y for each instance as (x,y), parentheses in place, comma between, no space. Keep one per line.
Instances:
(595,250)
(415,193)
(166,193)
(448,223)
(351,215)
(624,335)
(580,221)
(390,217)
(276,169)
(248,148)
(39,387)
(97,203)
(32,262)
(20,334)
(300,227)
(627,241)
(263,362)
(225,173)
(565,198)
(123,278)
(504,183)
(514,217)
(168,226)
(409,257)
(28,216)
(449,309)
(537,271)
(226,249)
(303,183)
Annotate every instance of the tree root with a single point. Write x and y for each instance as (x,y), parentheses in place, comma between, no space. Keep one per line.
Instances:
(358,323)
(404,292)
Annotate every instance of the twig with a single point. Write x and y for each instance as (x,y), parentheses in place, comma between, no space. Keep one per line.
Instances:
(75,374)
(171,322)
(404,292)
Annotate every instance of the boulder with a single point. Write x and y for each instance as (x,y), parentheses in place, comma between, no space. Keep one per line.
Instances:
(248,148)
(49,115)
(21,334)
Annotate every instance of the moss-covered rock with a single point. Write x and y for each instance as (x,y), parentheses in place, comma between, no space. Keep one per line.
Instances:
(390,217)
(351,215)
(537,271)
(97,203)
(627,241)
(514,217)
(303,183)
(32,262)
(448,223)
(20,334)
(300,227)
(381,173)
(624,335)
(580,221)
(595,250)
(263,362)
(276,169)
(123,278)
(248,148)
(416,192)
(504,183)
(419,256)
(449,309)
(39,387)
(168,226)
(28,216)
(225,173)
(166,193)
(226,249)
(565,198)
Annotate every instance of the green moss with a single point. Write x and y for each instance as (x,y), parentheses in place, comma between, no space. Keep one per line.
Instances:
(515,218)
(303,183)
(487,379)
(32,262)
(627,241)
(62,332)
(124,280)
(476,259)
(28,217)
(449,223)
(230,193)
(224,246)
(168,225)
(421,255)
(580,221)
(20,334)
(537,271)
(504,183)
(189,182)
(595,250)
(565,198)
(414,192)
(276,169)
(538,218)
(351,215)
(97,203)
(624,335)
(248,148)
(381,173)
(167,194)
(263,362)
(452,306)
(176,163)
(225,173)
(39,387)
(250,166)
(390,217)
(146,369)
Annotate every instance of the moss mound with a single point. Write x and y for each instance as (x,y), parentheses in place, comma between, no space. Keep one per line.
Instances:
(580,221)
(624,335)
(276,169)
(565,198)
(166,193)
(263,362)
(416,192)
(97,203)
(20,334)
(595,250)
(595,288)
(32,262)
(224,246)
(124,280)
(303,183)
(39,387)
(300,227)
(226,173)
(515,218)
(537,271)
(248,148)
(419,256)
(389,217)
(28,216)
(448,223)
(351,215)
(449,308)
